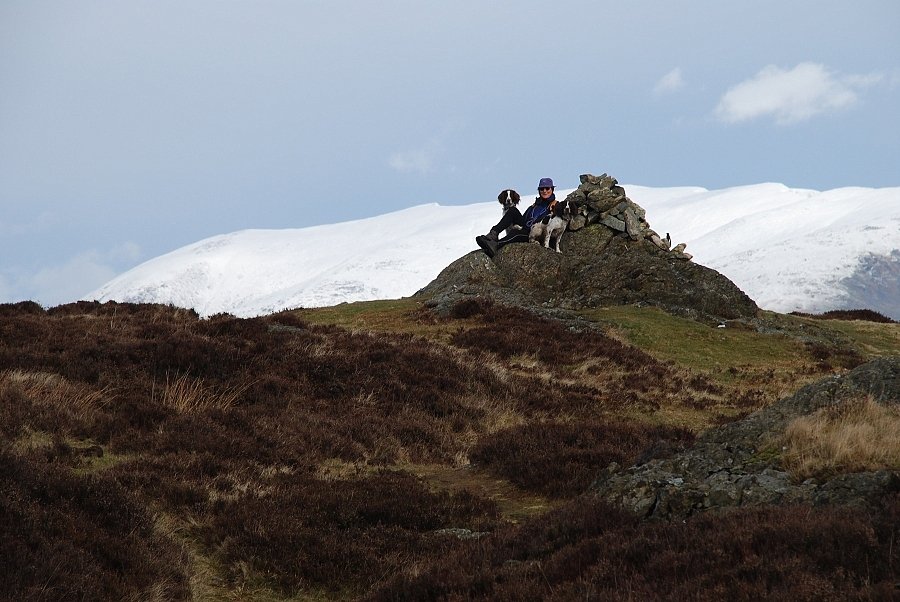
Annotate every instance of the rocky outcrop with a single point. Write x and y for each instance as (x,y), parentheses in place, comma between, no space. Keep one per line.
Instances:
(603,263)
(735,465)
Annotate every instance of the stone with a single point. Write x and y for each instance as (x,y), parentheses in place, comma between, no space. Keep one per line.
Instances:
(601,200)
(679,248)
(577,223)
(577,196)
(632,225)
(602,180)
(614,223)
(596,268)
(620,207)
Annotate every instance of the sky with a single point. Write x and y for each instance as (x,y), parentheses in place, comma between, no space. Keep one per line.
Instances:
(130,129)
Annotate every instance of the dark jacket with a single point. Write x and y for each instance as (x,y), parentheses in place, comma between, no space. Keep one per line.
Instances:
(538,210)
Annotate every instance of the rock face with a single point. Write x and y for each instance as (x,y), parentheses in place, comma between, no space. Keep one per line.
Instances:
(611,257)
(730,466)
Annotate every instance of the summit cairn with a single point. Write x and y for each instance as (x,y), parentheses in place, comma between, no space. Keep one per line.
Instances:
(602,201)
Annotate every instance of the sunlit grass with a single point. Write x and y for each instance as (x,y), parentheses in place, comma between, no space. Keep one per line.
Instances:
(53,389)
(187,395)
(856,435)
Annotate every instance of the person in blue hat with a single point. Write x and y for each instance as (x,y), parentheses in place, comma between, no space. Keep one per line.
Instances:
(491,242)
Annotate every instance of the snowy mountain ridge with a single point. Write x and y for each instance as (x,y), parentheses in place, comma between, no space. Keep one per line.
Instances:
(788,249)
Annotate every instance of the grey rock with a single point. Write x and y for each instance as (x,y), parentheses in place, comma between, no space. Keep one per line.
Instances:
(632,225)
(614,223)
(577,223)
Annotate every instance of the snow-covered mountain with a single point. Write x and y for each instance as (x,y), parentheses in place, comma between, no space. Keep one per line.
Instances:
(788,249)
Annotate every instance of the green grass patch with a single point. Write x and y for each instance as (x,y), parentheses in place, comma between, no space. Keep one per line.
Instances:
(694,345)
(393,315)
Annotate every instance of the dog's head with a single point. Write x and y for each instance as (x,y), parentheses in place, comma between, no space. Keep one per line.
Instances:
(565,209)
(508,198)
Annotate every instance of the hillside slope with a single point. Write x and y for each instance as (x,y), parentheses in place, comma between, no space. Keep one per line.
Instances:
(384,451)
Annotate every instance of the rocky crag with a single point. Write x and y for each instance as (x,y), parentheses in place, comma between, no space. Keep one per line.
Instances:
(610,256)
(739,464)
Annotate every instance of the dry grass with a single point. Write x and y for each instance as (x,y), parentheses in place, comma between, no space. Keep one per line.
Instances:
(52,389)
(188,395)
(857,435)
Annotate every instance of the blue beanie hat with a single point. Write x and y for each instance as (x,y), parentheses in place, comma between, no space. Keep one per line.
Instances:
(546,183)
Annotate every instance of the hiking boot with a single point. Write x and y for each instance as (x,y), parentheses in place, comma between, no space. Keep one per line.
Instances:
(488,243)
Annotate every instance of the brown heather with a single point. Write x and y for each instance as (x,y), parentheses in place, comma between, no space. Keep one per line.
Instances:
(148,454)
(589,551)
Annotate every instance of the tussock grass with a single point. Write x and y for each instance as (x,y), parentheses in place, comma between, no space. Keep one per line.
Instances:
(188,395)
(55,390)
(857,435)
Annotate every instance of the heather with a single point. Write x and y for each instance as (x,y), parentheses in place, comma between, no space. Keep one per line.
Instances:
(382,450)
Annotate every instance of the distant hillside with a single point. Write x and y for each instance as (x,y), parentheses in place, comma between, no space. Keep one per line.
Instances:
(788,249)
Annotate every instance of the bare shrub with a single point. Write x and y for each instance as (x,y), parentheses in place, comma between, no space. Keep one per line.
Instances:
(511,332)
(856,435)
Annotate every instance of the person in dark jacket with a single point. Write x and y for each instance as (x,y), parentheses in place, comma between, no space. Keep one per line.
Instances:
(491,242)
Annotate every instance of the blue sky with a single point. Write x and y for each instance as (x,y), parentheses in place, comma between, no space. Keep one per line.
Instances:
(129,129)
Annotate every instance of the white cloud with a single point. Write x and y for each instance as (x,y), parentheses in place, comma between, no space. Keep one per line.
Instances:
(670,82)
(791,96)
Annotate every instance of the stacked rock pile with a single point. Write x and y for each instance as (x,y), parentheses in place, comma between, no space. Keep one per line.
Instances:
(600,200)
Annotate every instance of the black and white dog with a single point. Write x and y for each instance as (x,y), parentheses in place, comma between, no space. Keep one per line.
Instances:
(509,198)
(561,213)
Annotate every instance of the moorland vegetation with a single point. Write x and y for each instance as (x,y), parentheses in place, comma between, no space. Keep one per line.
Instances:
(389,451)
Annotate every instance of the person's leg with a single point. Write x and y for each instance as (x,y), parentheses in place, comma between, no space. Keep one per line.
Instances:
(517,236)
(490,242)
(513,217)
